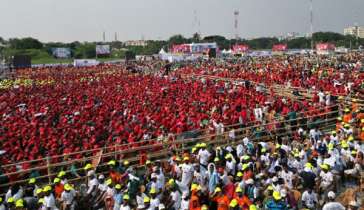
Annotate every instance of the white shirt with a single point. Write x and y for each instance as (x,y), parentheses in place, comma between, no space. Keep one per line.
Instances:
(64,182)
(92,183)
(321,95)
(334,140)
(204,156)
(187,170)
(68,197)
(157,185)
(2,207)
(160,178)
(288,178)
(140,200)
(49,202)
(298,165)
(182,187)
(230,167)
(176,197)
(155,202)
(242,185)
(185,205)
(264,145)
(200,177)
(102,186)
(326,178)
(277,187)
(35,190)
(265,159)
(110,191)
(309,199)
(122,207)
(333,206)
(225,179)
(18,195)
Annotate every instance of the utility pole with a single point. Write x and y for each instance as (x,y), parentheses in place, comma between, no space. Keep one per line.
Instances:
(356,31)
(311,27)
(104,36)
(236,27)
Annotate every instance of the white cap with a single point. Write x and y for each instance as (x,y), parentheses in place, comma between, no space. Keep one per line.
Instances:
(90,173)
(185,194)
(250,181)
(284,193)
(155,168)
(161,206)
(154,175)
(331,195)
(101,176)
(319,141)
(354,203)
(275,179)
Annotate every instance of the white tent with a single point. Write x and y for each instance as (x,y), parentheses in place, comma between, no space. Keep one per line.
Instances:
(230,51)
(224,51)
(162,51)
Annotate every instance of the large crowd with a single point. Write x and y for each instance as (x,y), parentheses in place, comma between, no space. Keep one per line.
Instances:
(290,138)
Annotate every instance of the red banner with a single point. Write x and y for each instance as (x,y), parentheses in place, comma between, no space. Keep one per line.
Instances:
(279,48)
(181,49)
(240,49)
(325,48)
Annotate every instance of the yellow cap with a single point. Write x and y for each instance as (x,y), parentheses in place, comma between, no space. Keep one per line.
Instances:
(296,155)
(275,153)
(264,150)
(88,166)
(347,110)
(239,174)
(67,187)
(228,156)
(152,190)
(204,207)
(253,207)
(233,203)
(216,159)
(239,189)
(333,132)
(118,186)
(177,159)
(219,148)
(331,146)
(180,165)
(41,200)
(126,197)
(246,157)
(56,180)
(32,180)
(186,158)
(340,97)
(194,149)
(126,162)
(353,152)
(18,205)
(278,146)
(351,138)
(109,181)
(148,162)
(171,181)
(198,145)
(203,145)
(146,200)
(47,188)
(111,162)
(354,100)
(339,118)
(217,189)
(198,188)
(270,188)
(324,166)
(10,200)
(362,120)
(62,173)
(309,165)
(245,166)
(357,110)
(347,125)
(344,144)
(276,195)
(194,186)
(39,191)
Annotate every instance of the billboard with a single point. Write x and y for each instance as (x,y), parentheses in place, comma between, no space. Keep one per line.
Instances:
(181,49)
(240,49)
(279,48)
(203,48)
(61,52)
(102,49)
(325,48)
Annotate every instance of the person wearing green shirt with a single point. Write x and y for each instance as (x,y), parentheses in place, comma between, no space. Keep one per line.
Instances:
(292,116)
(35,174)
(269,196)
(135,182)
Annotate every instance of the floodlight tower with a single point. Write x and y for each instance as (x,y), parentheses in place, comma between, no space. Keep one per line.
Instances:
(236,27)
(356,30)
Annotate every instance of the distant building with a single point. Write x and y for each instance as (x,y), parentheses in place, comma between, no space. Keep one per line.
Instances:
(292,35)
(352,31)
(135,43)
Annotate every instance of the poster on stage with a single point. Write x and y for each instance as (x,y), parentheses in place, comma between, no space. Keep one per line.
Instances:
(181,49)
(203,48)
(279,48)
(258,113)
(325,48)
(61,52)
(102,49)
(240,49)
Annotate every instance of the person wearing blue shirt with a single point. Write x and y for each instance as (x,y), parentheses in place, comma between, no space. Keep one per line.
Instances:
(276,203)
(321,149)
(118,197)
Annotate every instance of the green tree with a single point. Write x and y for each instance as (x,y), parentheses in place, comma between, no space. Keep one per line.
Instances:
(196,37)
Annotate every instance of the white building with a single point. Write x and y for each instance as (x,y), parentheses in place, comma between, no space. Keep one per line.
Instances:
(352,31)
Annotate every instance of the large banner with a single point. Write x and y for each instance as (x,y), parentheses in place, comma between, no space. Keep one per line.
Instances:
(202,48)
(61,52)
(279,48)
(240,49)
(102,49)
(325,48)
(181,49)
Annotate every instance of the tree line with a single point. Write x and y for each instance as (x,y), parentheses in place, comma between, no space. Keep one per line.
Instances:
(39,50)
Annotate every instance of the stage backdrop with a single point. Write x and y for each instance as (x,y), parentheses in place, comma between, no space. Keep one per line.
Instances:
(240,49)
(279,48)
(325,48)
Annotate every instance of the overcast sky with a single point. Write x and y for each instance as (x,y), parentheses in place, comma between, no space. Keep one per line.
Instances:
(85,20)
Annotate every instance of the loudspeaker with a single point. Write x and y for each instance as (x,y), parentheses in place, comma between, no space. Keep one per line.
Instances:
(212,53)
(247,83)
(129,55)
(21,61)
